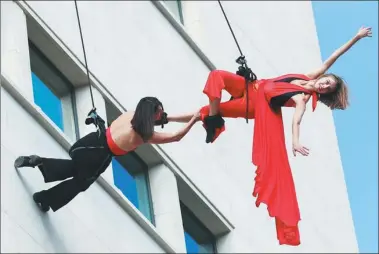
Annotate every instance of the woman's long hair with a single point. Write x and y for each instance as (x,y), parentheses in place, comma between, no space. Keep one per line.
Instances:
(143,121)
(339,98)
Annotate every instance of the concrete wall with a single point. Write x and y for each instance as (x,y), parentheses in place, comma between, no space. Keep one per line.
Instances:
(135,52)
(15,62)
(83,226)
(93,222)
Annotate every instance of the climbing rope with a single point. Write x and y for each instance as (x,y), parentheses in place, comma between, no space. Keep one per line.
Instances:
(231,30)
(243,69)
(92,117)
(85,55)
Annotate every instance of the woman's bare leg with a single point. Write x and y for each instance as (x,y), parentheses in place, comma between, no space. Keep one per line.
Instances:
(214,107)
(210,115)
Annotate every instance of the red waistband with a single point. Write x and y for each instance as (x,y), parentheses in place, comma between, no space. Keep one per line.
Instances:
(112,145)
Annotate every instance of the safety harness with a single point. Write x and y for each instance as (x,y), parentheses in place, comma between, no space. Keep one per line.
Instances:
(243,69)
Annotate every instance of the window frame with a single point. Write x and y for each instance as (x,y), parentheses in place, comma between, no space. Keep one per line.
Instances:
(112,113)
(144,169)
(179,7)
(70,87)
(180,10)
(186,211)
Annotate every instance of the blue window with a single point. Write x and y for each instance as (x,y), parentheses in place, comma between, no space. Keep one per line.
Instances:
(48,101)
(175,6)
(197,237)
(53,93)
(130,176)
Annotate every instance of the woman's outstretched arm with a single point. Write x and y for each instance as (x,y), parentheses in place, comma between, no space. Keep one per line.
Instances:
(363,32)
(164,138)
(184,118)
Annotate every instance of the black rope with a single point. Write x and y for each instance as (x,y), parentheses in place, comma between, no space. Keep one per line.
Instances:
(231,30)
(92,117)
(85,55)
(243,69)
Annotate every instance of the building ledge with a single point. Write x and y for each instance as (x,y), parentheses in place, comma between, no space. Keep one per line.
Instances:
(182,31)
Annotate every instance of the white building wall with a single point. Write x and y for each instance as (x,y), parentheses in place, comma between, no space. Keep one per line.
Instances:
(135,52)
(165,196)
(92,222)
(15,63)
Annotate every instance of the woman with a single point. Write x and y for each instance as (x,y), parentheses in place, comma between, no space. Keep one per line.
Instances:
(275,187)
(92,154)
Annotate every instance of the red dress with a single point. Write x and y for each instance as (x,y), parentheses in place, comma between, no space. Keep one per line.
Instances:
(274,184)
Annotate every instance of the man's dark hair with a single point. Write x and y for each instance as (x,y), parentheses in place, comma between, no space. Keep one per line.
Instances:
(143,121)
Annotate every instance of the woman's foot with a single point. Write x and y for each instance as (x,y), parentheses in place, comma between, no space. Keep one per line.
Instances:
(38,199)
(27,161)
(212,123)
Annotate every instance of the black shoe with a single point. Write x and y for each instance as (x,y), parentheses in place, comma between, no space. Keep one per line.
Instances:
(37,197)
(210,135)
(212,123)
(27,161)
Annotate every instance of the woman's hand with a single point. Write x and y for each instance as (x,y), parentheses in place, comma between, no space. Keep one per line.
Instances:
(300,149)
(164,138)
(364,32)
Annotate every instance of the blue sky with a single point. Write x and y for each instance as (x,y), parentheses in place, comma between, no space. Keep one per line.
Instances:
(357,127)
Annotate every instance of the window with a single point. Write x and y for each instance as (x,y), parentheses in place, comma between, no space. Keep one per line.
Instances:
(130,176)
(197,237)
(175,6)
(53,93)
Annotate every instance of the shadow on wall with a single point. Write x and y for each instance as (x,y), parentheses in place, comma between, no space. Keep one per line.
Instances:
(54,239)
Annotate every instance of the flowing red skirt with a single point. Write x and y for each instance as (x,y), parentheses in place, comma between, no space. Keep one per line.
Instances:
(274,185)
